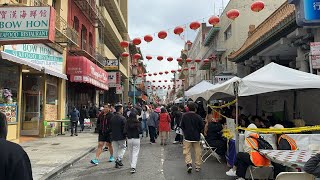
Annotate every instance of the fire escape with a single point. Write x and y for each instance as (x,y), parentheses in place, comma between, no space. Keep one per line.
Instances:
(90,9)
(65,35)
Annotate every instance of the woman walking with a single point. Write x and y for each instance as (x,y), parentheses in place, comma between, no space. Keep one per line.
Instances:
(133,129)
(144,116)
(164,126)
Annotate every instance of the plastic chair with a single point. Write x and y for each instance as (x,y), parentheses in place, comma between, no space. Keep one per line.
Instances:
(254,172)
(45,125)
(295,176)
(208,150)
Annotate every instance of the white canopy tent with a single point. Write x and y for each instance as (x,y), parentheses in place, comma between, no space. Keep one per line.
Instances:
(197,91)
(274,77)
(225,88)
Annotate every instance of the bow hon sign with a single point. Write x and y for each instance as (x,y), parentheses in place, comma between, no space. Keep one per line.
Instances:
(27,25)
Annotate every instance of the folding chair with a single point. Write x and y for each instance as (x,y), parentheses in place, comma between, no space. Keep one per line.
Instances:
(208,150)
(295,176)
(259,172)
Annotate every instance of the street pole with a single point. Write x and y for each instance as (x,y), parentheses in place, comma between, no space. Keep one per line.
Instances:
(134,91)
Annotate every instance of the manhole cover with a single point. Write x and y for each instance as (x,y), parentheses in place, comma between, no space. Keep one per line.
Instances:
(54,144)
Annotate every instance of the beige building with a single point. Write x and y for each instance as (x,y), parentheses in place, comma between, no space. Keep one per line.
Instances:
(115,17)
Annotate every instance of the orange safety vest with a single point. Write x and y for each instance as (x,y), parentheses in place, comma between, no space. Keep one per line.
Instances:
(256,158)
(291,141)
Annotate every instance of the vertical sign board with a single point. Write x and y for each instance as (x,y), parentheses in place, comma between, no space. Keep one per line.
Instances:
(307,12)
(27,25)
(314,55)
(114,79)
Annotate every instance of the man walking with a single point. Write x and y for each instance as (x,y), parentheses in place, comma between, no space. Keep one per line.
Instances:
(117,125)
(74,118)
(192,125)
(83,115)
(103,124)
(152,123)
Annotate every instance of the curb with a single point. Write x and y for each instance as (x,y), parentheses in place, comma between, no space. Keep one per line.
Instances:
(66,166)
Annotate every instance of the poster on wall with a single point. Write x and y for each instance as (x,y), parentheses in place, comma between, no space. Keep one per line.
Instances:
(113,79)
(27,24)
(119,89)
(39,54)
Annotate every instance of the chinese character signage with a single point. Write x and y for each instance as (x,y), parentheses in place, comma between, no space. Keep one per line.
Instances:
(307,12)
(38,54)
(112,65)
(113,79)
(26,25)
(222,79)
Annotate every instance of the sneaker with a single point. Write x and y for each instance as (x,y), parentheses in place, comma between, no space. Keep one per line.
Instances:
(76,134)
(240,178)
(189,168)
(94,161)
(133,170)
(231,172)
(111,159)
(120,163)
(117,166)
(105,149)
(198,169)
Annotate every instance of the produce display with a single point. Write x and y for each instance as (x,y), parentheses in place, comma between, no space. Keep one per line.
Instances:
(10,111)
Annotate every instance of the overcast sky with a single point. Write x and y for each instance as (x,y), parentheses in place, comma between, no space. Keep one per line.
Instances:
(152,16)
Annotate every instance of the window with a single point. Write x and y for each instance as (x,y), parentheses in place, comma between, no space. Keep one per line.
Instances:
(228,33)
(52,90)
(76,24)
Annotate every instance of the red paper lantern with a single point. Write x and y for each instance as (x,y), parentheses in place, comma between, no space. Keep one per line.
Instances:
(160,73)
(179,70)
(160,58)
(162,34)
(160,81)
(195,25)
(188,60)
(166,72)
(257,6)
(170,59)
(136,56)
(186,69)
(206,60)
(177,80)
(125,54)
(214,20)
(148,38)
(158,86)
(148,81)
(154,81)
(178,30)
(149,57)
(197,60)
(124,44)
(233,14)
(149,74)
(179,59)
(145,75)
(183,80)
(165,81)
(136,41)
(154,74)
(192,67)
(173,71)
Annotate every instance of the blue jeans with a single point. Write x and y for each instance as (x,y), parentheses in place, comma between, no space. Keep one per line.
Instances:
(144,127)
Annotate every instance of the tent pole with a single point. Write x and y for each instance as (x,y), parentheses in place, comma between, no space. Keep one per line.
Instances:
(236,85)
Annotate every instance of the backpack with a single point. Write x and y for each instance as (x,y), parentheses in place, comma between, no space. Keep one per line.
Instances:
(262,143)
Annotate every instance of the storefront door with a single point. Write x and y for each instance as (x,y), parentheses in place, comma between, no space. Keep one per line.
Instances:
(32,99)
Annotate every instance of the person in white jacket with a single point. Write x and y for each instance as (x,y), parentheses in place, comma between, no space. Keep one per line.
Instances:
(145,113)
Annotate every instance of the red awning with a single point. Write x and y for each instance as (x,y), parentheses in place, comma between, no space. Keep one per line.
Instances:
(80,69)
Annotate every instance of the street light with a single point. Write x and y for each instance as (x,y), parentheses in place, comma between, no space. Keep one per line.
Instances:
(134,77)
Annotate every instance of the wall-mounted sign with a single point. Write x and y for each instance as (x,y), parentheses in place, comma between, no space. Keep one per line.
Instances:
(27,25)
(119,89)
(112,65)
(307,12)
(38,54)
(221,79)
(114,79)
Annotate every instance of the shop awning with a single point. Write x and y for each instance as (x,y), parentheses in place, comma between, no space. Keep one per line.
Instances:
(54,73)
(82,70)
(18,60)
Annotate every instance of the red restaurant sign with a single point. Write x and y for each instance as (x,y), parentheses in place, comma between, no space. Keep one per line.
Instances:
(81,69)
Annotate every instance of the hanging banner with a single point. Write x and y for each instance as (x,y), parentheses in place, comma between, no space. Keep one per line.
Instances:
(113,79)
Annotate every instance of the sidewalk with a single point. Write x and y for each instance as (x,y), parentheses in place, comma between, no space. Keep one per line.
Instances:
(51,155)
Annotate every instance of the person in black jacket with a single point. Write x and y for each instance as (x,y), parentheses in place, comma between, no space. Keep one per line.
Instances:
(133,130)
(74,118)
(104,137)
(176,116)
(192,126)
(84,113)
(14,161)
(117,124)
(313,166)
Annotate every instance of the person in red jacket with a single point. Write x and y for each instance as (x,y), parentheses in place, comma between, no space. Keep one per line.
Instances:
(164,125)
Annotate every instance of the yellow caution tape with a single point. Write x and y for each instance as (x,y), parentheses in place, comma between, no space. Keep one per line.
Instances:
(281,131)
(223,106)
